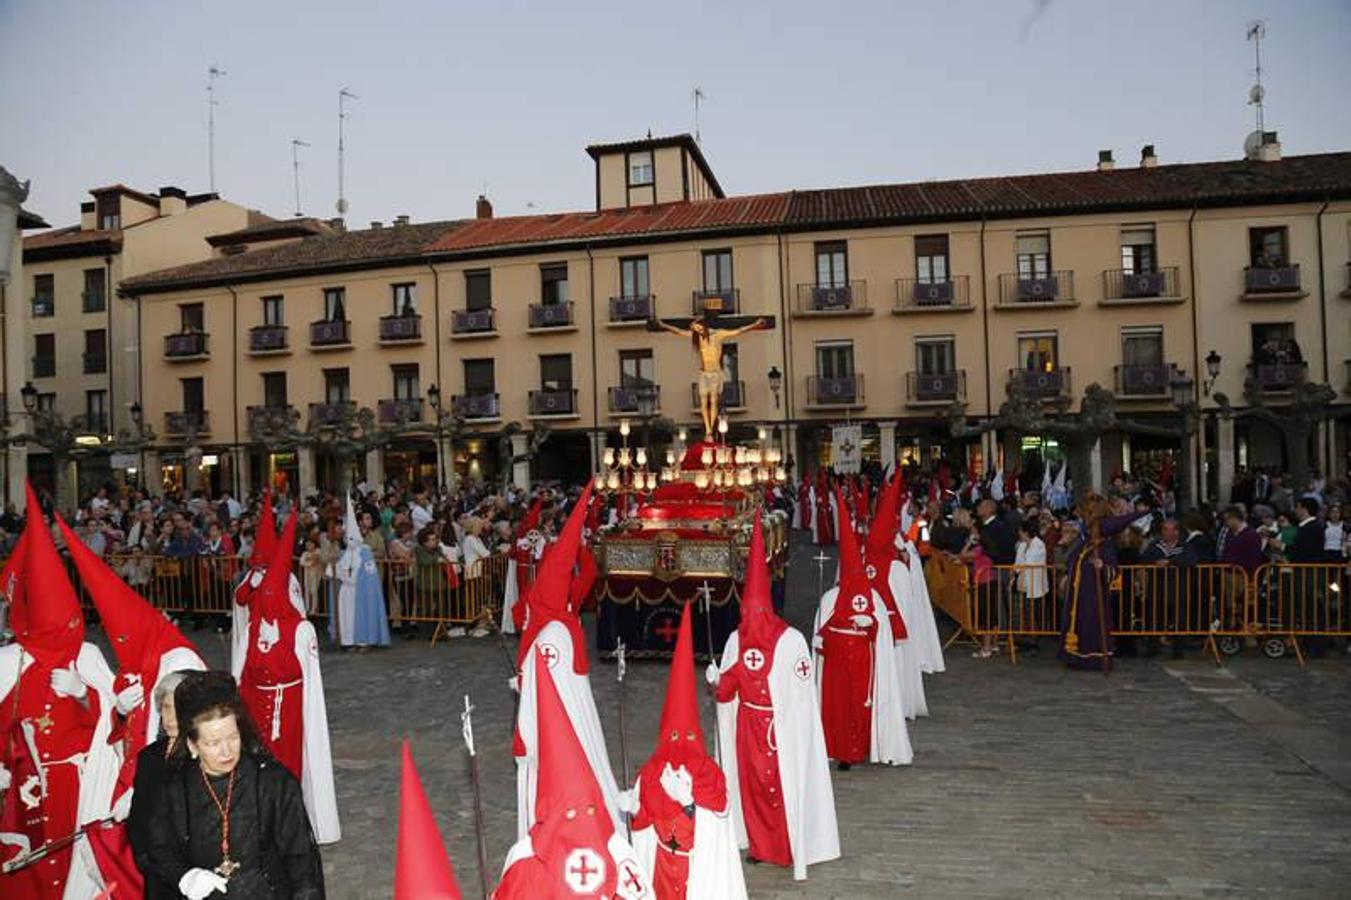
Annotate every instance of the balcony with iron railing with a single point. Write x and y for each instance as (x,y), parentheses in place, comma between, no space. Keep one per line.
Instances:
(733,396)
(1125,288)
(842,300)
(44,366)
(630,310)
(93,301)
(1277,378)
(43,306)
(473,323)
(327,414)
(628,399)
(94,363)
(1139,382)
(551,317)
(330,334)
(400,329)
(479,407)
(1263,283)
(1043,383)
(186,345)
(837,392)
(402,411)
(265,339)
(716,303)
(935,388)
(1055,290)
(916,295)
(197,421)
(553,403)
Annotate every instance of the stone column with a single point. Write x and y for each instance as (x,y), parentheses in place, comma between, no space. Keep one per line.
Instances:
(305,461)
(153,475)
(1224,462)
(520,472)
(1094,467)
(597,448)
(375,467)
(16,471)
(887,436)
(242,460)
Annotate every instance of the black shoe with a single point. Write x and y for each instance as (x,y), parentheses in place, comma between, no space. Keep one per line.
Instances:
(751,860)
(844,767)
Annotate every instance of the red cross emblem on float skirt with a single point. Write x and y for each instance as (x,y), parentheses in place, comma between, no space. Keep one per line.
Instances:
(753,659)
(584,871)
(667,631)
(630,882)
(803,669)
(550,654)
(859,603)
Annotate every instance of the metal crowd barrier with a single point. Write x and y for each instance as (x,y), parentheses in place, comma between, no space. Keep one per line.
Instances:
(1276,606)
(437,593)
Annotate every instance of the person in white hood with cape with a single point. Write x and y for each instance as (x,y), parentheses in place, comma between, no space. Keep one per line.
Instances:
(359,620)
(769,726)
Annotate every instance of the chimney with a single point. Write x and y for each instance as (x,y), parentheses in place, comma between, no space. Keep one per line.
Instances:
(376,226)
(1105,163)
(338,224)
(483,209)
(400,220)
(1270,148)
(172,201)
(1148,159)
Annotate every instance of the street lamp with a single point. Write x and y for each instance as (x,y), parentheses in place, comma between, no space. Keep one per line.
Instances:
(1182,388)
(30,397)
(1212,370)
(775,383)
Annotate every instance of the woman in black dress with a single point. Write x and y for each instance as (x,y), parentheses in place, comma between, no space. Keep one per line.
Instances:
(230,817)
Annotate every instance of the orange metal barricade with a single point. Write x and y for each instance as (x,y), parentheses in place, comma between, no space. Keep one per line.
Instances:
(949,591)
(1300,600)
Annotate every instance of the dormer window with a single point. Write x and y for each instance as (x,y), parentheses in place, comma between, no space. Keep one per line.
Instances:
(640,169)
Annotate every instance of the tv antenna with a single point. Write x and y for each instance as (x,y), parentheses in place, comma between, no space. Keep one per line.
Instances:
(343,96)
(699,98)
(211,103)
(1257,30)
(296,144)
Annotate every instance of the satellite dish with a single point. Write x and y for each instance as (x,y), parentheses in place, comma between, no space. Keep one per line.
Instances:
(1256,93)
(1251,144)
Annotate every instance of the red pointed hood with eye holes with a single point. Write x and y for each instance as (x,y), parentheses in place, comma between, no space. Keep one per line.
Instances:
(853,580)
(422,869)
(760,626)
(550,597)
(879,550)
(48,621)
(139,633)
(272,600)
(570,809)
(530,522)
(264,534)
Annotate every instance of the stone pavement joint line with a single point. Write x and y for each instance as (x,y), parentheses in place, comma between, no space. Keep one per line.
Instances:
(1028,781)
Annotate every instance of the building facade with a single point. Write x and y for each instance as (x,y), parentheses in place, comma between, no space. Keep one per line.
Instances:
(81,348)
(883,306)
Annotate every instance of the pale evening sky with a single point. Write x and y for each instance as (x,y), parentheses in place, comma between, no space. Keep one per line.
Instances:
(456,96)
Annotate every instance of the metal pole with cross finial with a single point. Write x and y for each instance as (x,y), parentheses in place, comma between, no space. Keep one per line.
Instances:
(821,560)
(467,729)
(707,593)
(621,668)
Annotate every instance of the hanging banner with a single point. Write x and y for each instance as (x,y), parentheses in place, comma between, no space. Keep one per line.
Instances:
(846,449)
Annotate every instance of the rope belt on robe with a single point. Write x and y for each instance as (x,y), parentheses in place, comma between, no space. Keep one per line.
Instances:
(277,691)
(769,729)
(30,741)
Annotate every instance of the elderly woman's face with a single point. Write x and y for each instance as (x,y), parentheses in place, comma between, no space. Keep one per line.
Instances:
(168,718)
(217,745)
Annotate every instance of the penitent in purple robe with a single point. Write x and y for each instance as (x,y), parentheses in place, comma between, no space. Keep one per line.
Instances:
(1086,619)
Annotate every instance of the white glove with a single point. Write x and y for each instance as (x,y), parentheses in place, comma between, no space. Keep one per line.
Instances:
(6,779)
(129,699)
(627,802)
(862,621)
(514,682)
(678,784)
(712,674)
(68,683)
(198,884)
(122,808)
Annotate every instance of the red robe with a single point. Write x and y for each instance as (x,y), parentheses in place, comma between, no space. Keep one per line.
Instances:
(273,688)
(825,519)
(674,827)
(846,684)
(756,755)
(62,729)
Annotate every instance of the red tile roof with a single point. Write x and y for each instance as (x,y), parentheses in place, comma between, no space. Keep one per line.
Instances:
(70,241)
(670,219)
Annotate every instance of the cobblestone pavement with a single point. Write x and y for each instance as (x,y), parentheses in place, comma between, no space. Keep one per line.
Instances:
(1168,779)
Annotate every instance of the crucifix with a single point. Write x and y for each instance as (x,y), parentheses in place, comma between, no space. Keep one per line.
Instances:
(821,560)
(708,342)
